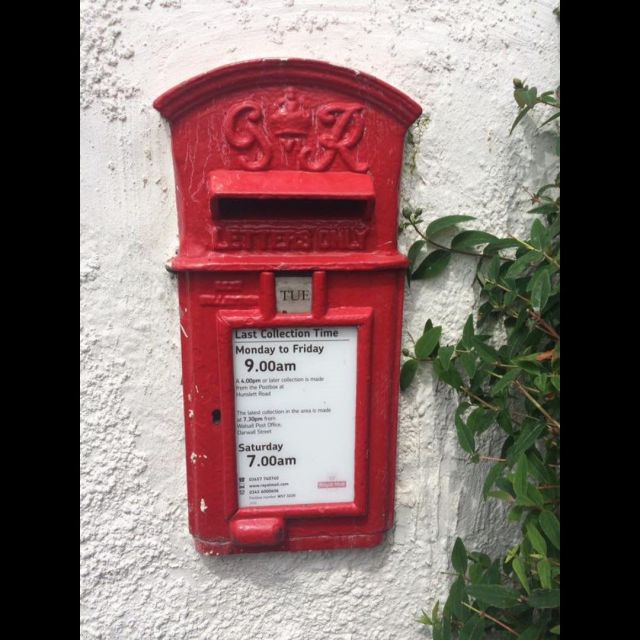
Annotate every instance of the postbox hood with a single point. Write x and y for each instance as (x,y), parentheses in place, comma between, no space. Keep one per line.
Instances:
(264,72)
(286,156)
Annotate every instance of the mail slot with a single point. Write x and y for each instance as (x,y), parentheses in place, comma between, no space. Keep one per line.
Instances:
(290,294)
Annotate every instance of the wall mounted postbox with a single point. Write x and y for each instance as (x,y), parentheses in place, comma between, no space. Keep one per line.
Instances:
(290,287)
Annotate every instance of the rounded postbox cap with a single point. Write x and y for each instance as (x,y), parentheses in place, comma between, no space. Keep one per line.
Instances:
(255,73)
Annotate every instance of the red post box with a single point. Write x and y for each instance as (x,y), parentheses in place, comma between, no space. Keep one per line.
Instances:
(290,288)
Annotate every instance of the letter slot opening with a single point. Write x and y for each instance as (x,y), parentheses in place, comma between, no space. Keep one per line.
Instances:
(247,195)
(284,208)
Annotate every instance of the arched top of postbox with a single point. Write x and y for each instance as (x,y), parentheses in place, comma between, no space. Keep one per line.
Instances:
(259,73)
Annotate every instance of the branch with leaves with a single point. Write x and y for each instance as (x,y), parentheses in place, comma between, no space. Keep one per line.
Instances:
(513,388)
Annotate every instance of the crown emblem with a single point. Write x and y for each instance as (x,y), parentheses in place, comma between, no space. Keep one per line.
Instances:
(289,120)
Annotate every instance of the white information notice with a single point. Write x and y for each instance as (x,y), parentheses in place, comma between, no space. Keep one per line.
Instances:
(295,391)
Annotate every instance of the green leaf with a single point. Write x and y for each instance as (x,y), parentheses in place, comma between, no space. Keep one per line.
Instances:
(542,382)
(551,527)
(407,373)
(530,97)
(548,120)
(468,332)
(458,595)
(504,421)
(434,264)
(427,342)
(501,495)
(481,419)
(468,361)
(492,576)
(531,430)
(484,312)
(538,234)
(535,538)
(546,187)
(544,573)
(520,480)
(494,595)
(487,353)
(534,496)
(533,368)
(537,468)
(480,558)
(470,239)
(531,357)
(450,376)
(493,271)
(540,289)
(517,267)
(475,573)
(446,628)
(544,598)
(473,629)
(506,485)
(520,571)
(459,557)
(555,630)
(494,473)
(465,435)
(519,117)
(427,325)
(519,96)
(414,250)
(445,223)
(425,619)
(515,513)
(501,243)
(505,381)
(544,208)
(434,611)
(531,633)
(444,356)
(511,554)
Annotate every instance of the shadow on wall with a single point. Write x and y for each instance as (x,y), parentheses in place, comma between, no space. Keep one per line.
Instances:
(322,572)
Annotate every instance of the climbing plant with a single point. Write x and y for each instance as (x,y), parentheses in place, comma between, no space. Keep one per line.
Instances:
(505,370)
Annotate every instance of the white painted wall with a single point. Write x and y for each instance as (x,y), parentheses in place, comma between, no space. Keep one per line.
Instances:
(141,577)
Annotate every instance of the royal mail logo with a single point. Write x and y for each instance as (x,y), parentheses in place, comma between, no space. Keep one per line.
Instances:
(332,484)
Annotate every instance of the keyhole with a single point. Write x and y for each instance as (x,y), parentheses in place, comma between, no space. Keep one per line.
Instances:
(216,416)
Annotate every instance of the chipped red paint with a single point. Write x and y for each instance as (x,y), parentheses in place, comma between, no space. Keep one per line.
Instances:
(287,166)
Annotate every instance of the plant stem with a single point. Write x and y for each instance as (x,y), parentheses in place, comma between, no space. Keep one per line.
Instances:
(441,246)
(464,253)
(500,286)
(483,614)
(484,403)
(460,251)
(544,325)
(536,404)
(549,258)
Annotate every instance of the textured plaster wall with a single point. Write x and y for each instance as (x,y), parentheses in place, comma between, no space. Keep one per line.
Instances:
(141,577)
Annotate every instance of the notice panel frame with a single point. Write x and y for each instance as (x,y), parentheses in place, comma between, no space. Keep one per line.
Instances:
(228,321)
